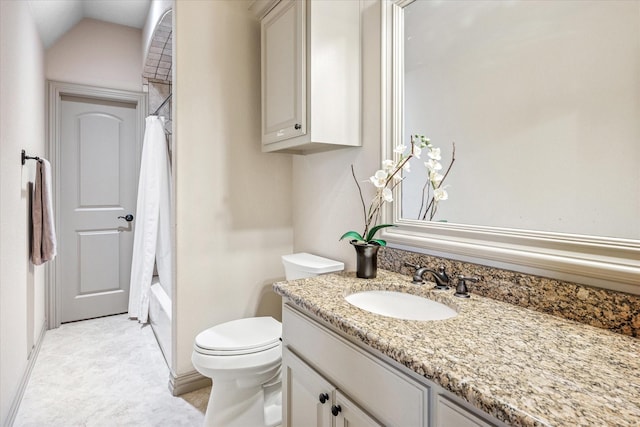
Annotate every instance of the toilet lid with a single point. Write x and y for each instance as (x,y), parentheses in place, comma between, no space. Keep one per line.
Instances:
(240,336)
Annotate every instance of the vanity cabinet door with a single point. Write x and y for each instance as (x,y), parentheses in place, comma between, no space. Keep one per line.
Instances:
(312,401)
(283,72)
(307,396)
(350,414)
(390,397)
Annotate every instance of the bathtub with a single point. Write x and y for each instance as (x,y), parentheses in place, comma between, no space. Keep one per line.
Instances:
(160,317)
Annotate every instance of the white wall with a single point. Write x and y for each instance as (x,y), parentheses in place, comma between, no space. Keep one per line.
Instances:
(326,201)
(233,203)
(22,125)
(98,53)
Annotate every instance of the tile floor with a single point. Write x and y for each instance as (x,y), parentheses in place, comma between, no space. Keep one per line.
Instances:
(105,372)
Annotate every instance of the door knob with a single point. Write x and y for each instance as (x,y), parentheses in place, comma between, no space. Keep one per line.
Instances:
(323,397)
(335,410)
(127,217)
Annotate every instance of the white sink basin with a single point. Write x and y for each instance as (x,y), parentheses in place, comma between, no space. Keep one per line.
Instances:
(400,305)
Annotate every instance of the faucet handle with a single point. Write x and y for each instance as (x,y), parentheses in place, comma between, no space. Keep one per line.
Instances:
(461,289)
(417,275)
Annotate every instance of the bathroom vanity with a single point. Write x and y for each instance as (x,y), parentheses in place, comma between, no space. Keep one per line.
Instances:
(326,376)
(494,364)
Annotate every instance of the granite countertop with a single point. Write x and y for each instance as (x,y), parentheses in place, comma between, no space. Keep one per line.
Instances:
(523,367)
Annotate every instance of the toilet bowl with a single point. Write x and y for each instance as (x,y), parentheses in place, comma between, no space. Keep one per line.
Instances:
(243,359)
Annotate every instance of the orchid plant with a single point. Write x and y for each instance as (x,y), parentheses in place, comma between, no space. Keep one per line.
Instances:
(389,176)
(434,182)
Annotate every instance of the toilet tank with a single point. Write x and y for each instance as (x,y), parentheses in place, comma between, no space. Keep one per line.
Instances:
(301,265)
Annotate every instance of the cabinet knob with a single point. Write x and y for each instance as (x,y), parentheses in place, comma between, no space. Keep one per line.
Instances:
(335,410)
(323,397)
(297,126)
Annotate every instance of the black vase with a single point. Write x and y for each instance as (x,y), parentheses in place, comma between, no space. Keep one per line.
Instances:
(366,260)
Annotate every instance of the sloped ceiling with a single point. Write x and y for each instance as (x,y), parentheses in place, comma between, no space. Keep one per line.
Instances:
(55,17)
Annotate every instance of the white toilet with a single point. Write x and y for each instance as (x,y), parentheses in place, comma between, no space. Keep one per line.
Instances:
(243,358)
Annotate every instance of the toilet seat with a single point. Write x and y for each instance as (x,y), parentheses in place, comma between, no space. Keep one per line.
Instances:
(238,337)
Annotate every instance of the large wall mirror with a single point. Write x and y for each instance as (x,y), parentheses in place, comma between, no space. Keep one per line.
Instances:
(542,100)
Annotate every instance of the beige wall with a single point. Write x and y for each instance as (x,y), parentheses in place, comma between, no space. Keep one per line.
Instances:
(99,54)
(233,203)
(22,125)
(326,201)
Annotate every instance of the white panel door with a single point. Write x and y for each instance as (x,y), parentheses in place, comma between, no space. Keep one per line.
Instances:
(98,168)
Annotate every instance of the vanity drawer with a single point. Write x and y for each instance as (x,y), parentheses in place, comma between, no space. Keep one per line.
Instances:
(391,397)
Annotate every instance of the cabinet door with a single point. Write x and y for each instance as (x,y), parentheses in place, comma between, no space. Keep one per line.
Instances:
(307,397)
(351,415)
(284,72)
(392,398)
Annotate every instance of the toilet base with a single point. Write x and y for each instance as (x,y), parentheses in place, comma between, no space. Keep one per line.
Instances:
(234,406)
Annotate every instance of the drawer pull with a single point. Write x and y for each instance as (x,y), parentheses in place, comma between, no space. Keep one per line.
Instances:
(335,410)
(323,398)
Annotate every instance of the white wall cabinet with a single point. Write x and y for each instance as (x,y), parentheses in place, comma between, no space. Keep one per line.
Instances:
(311,90)
(323,370)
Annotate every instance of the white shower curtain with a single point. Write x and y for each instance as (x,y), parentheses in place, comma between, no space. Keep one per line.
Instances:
(152,236)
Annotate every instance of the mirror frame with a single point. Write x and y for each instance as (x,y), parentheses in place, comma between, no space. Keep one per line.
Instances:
(611,263)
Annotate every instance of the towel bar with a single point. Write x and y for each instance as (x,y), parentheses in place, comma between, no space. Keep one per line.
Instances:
(24,157)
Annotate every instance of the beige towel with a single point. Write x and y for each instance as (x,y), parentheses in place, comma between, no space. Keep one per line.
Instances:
(44,233)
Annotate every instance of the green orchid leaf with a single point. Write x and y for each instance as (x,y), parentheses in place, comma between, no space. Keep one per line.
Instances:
(378,242)
(375,229)
(352,235)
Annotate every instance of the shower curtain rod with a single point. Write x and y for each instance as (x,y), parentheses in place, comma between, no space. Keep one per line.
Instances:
(155,113)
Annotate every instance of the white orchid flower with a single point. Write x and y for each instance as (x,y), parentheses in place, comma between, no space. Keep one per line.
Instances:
(400,148)
(435,177)
(387,195)
(379,179)
(434,153)
(440,194)
(407,167)
(433,165)
(388,165)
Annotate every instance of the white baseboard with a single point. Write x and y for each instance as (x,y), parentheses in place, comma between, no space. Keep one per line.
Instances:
(15,405)
(181,384)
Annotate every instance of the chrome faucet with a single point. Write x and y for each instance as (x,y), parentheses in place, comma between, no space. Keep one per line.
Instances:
(440,276)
